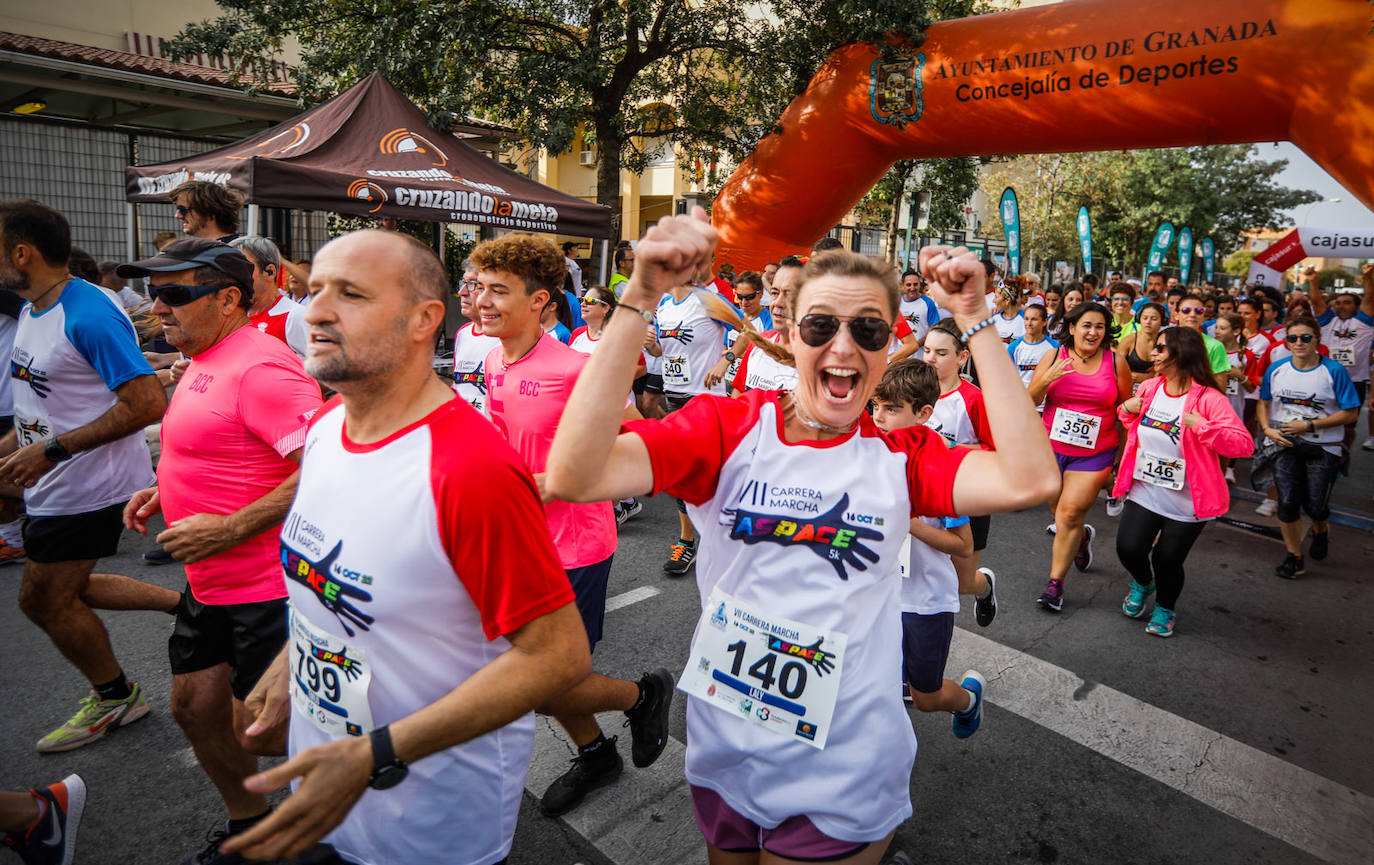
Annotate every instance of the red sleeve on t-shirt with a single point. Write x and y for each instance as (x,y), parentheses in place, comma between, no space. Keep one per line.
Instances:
(977,414)
(688,447)
(492,524)
(575,334)
(903,328)
(930,469)
(742,372)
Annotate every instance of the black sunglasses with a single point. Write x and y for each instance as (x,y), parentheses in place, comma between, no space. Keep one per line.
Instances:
(180,295)
(182,210)
(745,298)
(1304,338)
(870,334)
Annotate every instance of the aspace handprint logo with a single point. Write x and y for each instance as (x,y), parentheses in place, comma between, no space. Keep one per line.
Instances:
(828,535)
(336,596)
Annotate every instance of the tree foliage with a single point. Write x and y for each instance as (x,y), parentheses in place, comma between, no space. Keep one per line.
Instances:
(620,75)
(1217,191)
(950,182)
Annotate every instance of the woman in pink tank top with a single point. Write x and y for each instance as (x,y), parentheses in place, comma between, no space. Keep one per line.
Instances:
(1081,385)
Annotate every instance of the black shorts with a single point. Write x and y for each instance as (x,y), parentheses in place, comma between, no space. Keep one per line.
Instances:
(247,637)
(674,401)
(589,588)
(649,383)
(1304,484)
(74,537)
(925,649)
(1362,391)
(6,423)
(979,527)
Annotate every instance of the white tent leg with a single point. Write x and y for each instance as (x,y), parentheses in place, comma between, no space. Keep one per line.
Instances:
(252,228)
(605,261)
(130,232)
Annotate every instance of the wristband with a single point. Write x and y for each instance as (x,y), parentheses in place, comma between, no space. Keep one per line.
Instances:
(1311,426)
(644,314)
(977,327)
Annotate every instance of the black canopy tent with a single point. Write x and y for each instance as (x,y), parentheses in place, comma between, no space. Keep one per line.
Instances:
(369,151)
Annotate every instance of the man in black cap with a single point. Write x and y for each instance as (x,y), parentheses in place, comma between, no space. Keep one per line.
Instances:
(231,444)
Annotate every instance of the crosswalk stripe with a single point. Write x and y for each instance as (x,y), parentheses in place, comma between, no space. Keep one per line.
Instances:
(1316,815)
(633,596)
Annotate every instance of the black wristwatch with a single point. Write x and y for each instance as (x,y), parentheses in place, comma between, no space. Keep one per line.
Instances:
(387,769)
(730,357)
(55,452)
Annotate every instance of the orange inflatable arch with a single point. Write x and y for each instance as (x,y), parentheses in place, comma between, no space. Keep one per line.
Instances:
(1075,76)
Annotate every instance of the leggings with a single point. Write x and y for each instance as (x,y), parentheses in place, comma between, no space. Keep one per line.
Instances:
(1140,529)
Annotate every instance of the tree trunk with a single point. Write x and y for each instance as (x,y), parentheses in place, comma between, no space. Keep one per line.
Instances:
(893,218)
(608,146)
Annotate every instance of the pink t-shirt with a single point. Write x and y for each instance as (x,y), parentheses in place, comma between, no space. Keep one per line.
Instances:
(239,409)
(525,400)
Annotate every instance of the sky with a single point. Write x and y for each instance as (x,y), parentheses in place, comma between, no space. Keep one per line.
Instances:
(1303,173)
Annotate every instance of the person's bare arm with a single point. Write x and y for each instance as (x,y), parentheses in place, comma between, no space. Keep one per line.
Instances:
(1314,291)
(957,541)
(590,460)
(908,348)
(1022,471)
(1367,283)
(547,657)
(140,401)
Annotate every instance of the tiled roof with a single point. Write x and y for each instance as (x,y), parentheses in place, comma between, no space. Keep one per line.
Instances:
(109,59)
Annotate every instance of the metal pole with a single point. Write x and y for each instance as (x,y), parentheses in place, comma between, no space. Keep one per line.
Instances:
(605,261)
(252,220)
(131,232)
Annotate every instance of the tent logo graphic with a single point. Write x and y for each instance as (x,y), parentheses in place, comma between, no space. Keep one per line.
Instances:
(366,190)
(404,141)
(287,139)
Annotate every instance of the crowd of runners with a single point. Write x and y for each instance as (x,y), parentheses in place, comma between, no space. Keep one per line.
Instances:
(388,574)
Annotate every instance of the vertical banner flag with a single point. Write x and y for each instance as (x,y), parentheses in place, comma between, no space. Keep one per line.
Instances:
(1085,238)
(1209,259)
(1185,254)
(1164,238)
(1011,226)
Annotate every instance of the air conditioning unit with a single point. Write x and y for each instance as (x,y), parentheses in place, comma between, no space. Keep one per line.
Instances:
(586,157)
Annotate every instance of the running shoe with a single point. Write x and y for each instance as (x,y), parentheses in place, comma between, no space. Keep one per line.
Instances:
(985,608)
(619,515)
(589,772)
(94,720)
(1084,559)
(1051,529)
(680,558)
(1134,604)
(631,508)
(52,840)
(1115,506)
(649,723)
(1368,444)
(966,723)
(210,855)
(1053,596)
(12,555)
(1291,568)
(1267,508)
(1161,622)
(1230,475)
(1320,545)
(158,556)
(899,858)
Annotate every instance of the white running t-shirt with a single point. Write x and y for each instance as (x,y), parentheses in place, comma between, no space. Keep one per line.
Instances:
(470,350)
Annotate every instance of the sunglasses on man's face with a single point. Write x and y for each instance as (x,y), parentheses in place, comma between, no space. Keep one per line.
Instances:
(182,210)
(747,298)
(1191,310)
(1303,338)
(869,333)
(180,295)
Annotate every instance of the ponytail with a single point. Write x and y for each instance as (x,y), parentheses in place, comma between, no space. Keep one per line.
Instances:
(723,311)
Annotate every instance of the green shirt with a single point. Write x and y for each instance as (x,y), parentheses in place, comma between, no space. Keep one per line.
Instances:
(619,280)
(1216,354)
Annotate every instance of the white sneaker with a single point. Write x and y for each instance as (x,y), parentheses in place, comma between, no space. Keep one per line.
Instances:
(1267,508)
(1115,506)
(1051,529)
(1368,444)
(1230,475)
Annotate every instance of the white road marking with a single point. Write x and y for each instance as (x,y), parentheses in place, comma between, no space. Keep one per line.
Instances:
(1323,818)
(633,596)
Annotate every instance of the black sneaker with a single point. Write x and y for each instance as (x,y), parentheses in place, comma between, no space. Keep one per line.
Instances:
(588,772)
(985,609)
(210,855)
(631,508)
(158,556)
(1292,567)
(680,558)
(1053,596)
(1320,544)
(649,723)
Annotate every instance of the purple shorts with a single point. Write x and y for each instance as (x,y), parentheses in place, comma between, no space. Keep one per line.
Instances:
(794,838)
(1090,463)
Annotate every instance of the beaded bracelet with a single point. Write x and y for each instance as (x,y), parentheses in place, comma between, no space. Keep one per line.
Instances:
(977,327)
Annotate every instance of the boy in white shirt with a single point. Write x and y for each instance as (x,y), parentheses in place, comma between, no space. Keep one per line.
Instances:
(930,585)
